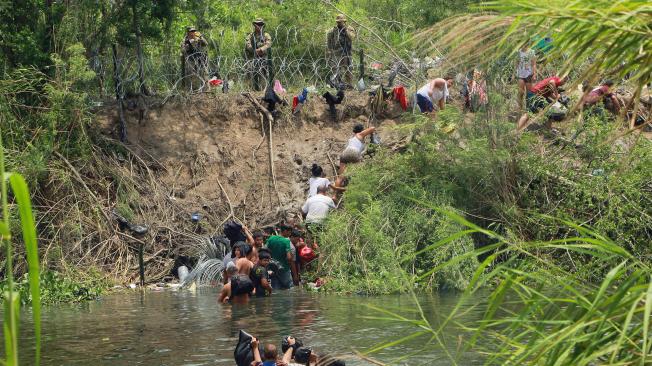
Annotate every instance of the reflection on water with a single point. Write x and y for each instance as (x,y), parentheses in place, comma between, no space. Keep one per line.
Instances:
(184,328)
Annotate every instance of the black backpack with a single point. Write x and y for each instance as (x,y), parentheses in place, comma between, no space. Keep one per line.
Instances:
(243,354)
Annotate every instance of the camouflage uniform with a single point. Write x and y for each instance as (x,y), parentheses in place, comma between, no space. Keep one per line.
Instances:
(339,43)
(193,50)
(258,71)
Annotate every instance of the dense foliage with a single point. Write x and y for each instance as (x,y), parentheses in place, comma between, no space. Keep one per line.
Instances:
(58,288)
(516,185)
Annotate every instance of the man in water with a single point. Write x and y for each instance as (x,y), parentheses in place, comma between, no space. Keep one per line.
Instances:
(237,290)
(270,355)
(260,276)
(245,263)
(434,93)
(281,249)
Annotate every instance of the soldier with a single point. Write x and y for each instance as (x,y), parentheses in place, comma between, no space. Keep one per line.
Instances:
(257,46)
(193,50)
(339,44)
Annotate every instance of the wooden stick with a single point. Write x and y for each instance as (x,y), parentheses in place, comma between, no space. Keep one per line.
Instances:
(270,120)
(231,213)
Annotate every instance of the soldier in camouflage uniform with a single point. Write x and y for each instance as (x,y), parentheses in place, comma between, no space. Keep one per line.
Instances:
(257,45)
(339,44)
(193,50)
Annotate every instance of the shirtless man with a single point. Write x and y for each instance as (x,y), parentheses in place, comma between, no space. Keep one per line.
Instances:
(434,92)
(245,263)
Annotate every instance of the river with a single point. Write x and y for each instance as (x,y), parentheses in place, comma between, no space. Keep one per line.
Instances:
(191,328)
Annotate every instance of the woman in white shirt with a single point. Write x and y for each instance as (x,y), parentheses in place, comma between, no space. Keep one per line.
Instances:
(319,179)
(353,151)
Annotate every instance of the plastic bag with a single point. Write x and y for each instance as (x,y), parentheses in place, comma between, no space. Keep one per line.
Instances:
(243,354)
(361,85)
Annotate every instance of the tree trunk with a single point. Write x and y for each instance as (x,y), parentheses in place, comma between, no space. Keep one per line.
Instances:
(142,88)
(118,96)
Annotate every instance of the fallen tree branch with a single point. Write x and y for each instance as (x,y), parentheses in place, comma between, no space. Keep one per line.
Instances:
(231,212)
(270,120)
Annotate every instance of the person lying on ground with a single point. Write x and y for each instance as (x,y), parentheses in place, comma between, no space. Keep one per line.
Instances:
(603,94)
(353,151)
(245,263)
(435,92)
(319,179)
(270,355)
(281,249)
(260,276)
(229,259)
(526,72)
(316,208)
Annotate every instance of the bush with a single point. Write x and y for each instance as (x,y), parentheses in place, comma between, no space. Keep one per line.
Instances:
(58,288)
(498,180)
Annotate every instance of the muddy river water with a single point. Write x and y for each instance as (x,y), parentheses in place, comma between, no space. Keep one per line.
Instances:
(191,328)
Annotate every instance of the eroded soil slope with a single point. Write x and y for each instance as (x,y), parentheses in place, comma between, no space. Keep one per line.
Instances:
(214,152)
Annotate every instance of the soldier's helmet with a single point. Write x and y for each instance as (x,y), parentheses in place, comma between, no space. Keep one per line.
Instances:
(341,18)
(259,21)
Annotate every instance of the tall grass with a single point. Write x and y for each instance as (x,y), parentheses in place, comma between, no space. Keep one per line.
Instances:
(10,296)
(537,312)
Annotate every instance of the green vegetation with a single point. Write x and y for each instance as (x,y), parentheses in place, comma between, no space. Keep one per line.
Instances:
(538,313)
(11,298)
(59,288)
(513,184)
(561,224)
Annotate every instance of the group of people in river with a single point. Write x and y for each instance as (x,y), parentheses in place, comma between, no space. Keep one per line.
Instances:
(270,260)
(250,351)
(264,261)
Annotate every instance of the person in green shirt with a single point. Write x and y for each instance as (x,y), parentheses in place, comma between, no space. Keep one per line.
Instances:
(281,250)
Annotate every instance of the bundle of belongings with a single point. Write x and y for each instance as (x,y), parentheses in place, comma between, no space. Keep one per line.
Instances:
(299,99)
(333,101)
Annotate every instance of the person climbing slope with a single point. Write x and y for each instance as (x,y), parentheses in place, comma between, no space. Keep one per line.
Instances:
(353,151)
(434,92)
(318,179)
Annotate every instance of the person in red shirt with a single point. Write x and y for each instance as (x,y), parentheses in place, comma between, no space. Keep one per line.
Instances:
(549,87)
(603,93)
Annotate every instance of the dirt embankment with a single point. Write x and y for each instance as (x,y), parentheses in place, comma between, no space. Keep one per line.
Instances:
(214,153)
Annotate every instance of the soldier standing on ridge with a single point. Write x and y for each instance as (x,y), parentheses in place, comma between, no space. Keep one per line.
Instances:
(257,46)
(193,50)
(339,45)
